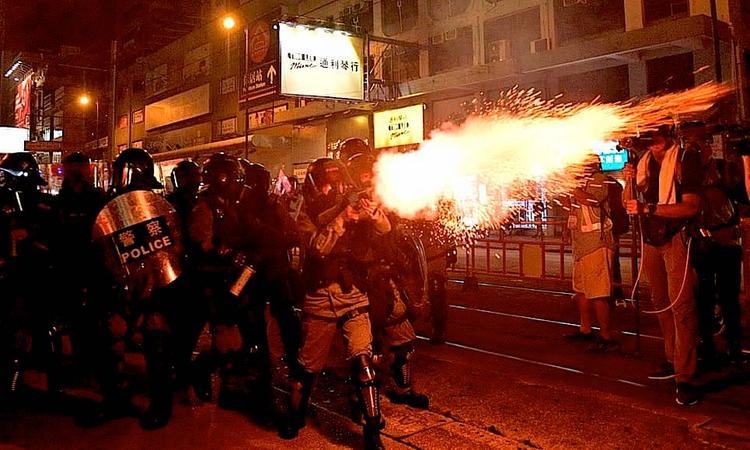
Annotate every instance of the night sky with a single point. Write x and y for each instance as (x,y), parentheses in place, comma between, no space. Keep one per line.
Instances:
(44,25)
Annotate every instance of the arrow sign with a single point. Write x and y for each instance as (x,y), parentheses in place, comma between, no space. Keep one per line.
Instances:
(271,73)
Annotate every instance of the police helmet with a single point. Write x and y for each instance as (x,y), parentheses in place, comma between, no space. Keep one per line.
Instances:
(360,167)
(325,179)
(351,147)
(223,174)
(186,175)
(21,171)
(257,177)
(133,170)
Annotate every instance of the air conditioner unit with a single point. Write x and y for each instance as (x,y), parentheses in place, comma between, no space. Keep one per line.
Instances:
(436,39)
(539,45)
(451,34)
(498,50)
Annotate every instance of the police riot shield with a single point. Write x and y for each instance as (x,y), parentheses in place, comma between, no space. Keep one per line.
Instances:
(140,238)
(414,269)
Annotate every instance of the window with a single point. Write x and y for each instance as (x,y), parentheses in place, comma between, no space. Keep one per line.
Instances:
(578,20)
(358,15)
(399,16)
(443,9)
(655,10)
(451,49)
(401,64)
(611,84)
(671,73)
(516,31)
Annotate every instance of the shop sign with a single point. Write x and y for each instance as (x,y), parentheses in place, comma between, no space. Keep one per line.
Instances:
(122,122)
(321,62)
(138,144)
(23,103)
(137,116)
(228,126)
(183,106)
(42,146)
(228,85)
(402,126)
(265,117)
(260,83)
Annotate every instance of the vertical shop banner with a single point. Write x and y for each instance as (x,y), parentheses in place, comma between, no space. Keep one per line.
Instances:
(321,62)
(260,81)
(23,103)
(402,126)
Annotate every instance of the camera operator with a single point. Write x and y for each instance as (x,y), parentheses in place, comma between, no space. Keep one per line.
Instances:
(668,181)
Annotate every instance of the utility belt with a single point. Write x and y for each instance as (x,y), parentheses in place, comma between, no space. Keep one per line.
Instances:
(340,270)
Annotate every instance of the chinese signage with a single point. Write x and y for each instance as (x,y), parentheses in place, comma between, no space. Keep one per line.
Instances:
(228,85)
(401,126)
(183,106)
(137,116)
(265,117)
(321,62)
(260,82)
(23,103)
(228,126)
(139,240)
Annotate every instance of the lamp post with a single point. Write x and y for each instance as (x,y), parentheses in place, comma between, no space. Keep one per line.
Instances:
(229,23)
(85,100)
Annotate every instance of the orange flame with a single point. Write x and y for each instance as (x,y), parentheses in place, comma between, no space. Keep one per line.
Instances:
(466,176)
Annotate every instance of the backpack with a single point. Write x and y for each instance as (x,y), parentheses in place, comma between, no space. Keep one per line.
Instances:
(614,209)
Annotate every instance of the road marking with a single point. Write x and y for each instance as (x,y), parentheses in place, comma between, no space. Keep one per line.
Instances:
(540,319)
(537,363)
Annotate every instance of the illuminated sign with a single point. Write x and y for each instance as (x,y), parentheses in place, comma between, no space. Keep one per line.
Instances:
(183,106)
(23,103)
(320,62)
(260,82)
(12,139)
(401,126)
(611,158)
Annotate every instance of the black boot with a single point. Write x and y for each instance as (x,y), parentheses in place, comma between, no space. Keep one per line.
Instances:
(372,437)
(116,403)
(299,399)
(159,368)
(401,371)
(200,376)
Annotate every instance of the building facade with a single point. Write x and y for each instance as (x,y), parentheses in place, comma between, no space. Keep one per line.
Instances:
(438,54)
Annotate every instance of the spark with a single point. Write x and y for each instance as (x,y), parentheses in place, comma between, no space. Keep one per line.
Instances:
(521,147)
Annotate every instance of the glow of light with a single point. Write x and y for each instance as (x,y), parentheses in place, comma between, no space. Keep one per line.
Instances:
(228,22)
(84,99)
(468,176)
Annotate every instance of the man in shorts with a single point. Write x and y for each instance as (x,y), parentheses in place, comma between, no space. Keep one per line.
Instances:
(593,250)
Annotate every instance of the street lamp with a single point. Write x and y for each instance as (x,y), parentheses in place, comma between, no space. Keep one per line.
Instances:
(85,100)
(229,23)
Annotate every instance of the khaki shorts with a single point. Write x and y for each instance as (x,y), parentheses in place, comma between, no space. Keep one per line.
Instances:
(318,334)
(592,274)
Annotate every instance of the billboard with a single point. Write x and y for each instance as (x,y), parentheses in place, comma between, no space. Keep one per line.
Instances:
(402,126)
(23,103)
(183,106)
(320,62)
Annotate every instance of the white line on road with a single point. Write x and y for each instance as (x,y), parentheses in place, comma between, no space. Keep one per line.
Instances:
(539,319)
(538,363)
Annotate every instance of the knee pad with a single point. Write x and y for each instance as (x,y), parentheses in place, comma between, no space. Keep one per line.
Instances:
(401,366)
(117,326)
(363,371)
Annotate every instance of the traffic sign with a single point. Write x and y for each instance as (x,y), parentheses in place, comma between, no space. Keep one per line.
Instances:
(260,83)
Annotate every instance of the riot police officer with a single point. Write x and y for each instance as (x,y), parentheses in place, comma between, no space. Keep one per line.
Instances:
(141,248)
(222,228)
(339,226)
(26,220)
(390,300)
(77,204)
(274,233)
(186,181)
